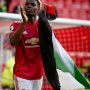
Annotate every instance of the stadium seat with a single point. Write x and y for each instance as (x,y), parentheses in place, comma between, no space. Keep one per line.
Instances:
(83,14)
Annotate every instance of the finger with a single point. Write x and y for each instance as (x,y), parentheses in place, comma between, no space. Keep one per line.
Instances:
(19,2)
(21,7)
(42,5)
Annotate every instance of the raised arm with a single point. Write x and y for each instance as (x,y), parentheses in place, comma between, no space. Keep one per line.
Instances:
(14,39)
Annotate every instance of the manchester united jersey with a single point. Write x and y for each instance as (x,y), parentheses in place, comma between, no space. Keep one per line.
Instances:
(28,62)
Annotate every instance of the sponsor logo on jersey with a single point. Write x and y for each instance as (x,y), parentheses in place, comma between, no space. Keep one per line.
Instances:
(33,41)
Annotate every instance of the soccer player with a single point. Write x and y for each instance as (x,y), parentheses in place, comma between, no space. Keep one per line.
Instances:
(28,68)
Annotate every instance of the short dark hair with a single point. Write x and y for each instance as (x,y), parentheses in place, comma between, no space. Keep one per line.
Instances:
(38,2)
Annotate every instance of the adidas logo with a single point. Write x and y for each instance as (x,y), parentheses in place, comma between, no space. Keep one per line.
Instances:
(25,32)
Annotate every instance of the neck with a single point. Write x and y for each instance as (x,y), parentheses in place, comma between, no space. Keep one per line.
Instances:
(32,19)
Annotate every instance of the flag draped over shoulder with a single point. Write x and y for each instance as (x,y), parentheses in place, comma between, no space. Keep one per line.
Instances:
(47,53)
(55,57)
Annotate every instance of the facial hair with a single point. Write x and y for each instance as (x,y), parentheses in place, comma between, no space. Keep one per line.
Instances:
(30,15)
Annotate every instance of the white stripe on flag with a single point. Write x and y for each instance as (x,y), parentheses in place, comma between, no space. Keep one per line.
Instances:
(68,82)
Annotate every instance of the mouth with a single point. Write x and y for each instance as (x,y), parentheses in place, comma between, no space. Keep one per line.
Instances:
(29,10)
(29,13)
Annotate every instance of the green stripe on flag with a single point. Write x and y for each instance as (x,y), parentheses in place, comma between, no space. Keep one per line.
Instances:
(62,65)
(81,78)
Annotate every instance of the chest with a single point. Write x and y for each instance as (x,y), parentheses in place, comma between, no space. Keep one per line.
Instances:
(30,31)
(30,35)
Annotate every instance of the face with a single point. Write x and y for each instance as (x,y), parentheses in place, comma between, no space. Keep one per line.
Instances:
(31,8)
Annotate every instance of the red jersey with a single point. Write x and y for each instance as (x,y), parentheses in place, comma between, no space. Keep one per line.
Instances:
(28,62)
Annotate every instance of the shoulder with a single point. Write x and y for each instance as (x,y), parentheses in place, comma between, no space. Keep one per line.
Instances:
(14,25)
(16,22)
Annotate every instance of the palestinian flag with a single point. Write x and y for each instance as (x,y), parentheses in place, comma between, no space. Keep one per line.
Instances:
(57,63)
(67,69)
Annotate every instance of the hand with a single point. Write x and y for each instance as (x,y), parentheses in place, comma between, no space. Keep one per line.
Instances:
(42,6)
(23,14)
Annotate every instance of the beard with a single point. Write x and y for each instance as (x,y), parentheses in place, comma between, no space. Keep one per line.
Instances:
(30,15)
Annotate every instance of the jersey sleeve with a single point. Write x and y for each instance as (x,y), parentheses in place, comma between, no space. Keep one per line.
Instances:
(51,12)
(13,27)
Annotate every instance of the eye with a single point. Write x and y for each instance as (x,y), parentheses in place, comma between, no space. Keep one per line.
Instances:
(26,4)
(33,4)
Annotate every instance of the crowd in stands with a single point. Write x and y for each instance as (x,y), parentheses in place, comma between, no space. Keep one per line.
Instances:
(85,69)
(75,9)
(10,6)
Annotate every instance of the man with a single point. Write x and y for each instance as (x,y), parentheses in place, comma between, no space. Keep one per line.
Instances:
(28,68)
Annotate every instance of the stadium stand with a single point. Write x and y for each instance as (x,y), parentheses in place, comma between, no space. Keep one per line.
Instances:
(75,9)
(76,40)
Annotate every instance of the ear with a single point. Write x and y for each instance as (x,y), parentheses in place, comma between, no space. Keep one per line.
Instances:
(38,10)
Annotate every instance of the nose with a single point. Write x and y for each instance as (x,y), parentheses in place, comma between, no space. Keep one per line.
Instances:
(29,6)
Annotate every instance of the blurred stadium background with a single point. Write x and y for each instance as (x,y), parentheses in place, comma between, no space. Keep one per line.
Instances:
(74,38)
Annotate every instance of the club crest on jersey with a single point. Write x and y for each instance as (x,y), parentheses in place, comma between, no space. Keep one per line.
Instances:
(11,28)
